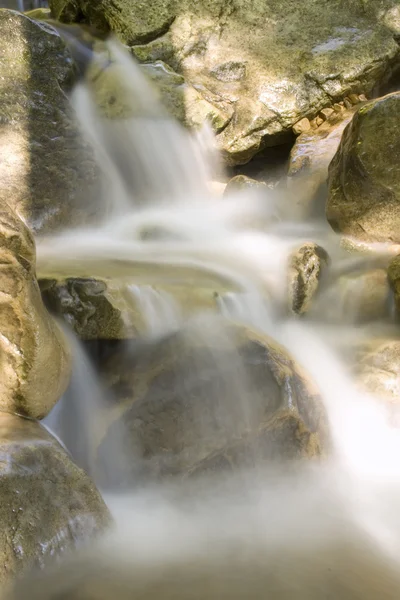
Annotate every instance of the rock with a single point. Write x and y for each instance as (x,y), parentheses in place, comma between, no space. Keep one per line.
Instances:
(286,70)
(326,113)
(361,296)
(34,357)
(209,398)
(48,505)
(377,370)
(310,158)
(394,280)
(242,182)
(364,182)
(47,172)
(84,305)
(301,126)
(306,266)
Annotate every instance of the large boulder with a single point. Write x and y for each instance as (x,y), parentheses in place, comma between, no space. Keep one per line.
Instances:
(298,59)
(208,398)
(34,357)
(48,505)
(47,172)
(364,175)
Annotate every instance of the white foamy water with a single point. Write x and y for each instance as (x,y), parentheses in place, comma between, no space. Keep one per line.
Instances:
(329,531)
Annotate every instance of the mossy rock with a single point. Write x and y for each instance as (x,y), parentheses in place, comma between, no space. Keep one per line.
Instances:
(196,401)
(364,175)
(299,58)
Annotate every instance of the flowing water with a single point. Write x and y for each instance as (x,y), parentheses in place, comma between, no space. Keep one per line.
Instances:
(315,532)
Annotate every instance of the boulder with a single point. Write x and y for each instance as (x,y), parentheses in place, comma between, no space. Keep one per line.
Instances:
(47,172)
(364,175)
(306,267)
(309,161)
(34,356)
(359,296)
(208,398)
(48,505)
(298,60)
(242,182)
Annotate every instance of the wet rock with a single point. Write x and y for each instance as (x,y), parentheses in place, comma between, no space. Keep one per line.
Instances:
(48,505)
(306,266)
(84,305)
(301,126)
(47,173)
(310,158)
(242,182)
(377,370)
(319,56)
(210,398)
(40,14)
(34,357)
(394,280)
(364,182)
(361,296)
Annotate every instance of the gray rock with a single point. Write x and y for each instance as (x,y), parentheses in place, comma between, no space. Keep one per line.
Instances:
(47,172)
(306,267)
(48,505)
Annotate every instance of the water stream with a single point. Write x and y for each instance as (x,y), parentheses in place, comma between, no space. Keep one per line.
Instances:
(166,227)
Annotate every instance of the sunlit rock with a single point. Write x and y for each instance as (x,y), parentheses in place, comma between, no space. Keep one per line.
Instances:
(48,505)
(47,173)
(364,176)
(298,60)
(309,161)
(211,397)
(242,182)
(306,267)
(34,358)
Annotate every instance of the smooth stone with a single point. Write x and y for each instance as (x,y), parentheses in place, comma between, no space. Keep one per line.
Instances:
(35,360)
(364,175)
(298,60)
(49,507)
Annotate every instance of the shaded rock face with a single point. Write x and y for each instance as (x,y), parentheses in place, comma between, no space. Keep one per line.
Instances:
(394,280)
(199,402)
(359,296)
(309,161)
(49,506)
(297,60)
(85,307)
(47,173)
(34,358)
(364,182)
(306,266)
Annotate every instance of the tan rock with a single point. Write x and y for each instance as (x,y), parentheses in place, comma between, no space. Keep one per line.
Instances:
(34,356)
(310,158)
(326,113)
(301,126)
(306,266)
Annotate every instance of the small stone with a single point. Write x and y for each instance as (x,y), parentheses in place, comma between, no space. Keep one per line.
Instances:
(347,103)
(354,99)
(362,98)
(305,270)
(319,121)
(338,107)
(301,126)
(326,113)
